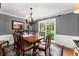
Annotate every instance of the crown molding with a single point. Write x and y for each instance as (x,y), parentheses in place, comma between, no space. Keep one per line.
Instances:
(9,14)
(38,19)
(56,15)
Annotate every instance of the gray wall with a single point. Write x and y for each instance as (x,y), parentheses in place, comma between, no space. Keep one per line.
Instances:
(35,26)
(67,24)
(5,24)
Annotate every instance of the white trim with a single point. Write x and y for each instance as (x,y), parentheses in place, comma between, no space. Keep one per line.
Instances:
(66,40)
(7,37)
(60,13)
(9,14)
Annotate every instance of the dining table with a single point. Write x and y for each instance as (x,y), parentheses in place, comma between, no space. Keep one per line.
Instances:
(33,39)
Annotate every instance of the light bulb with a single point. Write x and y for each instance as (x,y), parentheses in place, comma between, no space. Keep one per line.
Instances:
(76,11)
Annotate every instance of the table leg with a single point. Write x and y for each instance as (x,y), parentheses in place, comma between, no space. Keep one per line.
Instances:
(34,49)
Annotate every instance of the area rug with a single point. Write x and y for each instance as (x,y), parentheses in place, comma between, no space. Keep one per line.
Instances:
(55,51)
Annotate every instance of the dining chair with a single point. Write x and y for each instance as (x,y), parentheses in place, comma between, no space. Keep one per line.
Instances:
(33,33)
(45,46)
(15,40)
(2,46)
(23,46)
(16,43)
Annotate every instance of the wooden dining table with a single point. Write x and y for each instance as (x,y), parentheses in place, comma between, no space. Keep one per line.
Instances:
(33,39)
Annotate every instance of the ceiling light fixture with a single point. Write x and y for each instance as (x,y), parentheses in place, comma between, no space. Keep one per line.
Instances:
(76,11)
(29,18)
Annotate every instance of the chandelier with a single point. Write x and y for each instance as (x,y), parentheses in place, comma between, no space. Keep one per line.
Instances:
(29,18)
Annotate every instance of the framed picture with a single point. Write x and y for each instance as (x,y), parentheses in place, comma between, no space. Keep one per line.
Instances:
(17,25)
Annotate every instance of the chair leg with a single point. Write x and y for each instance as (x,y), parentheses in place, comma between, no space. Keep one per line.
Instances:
(23,54)
(34,51)
(3,51)
(14,47)
(45,53)
(16,50)
(49,52)
(62,52)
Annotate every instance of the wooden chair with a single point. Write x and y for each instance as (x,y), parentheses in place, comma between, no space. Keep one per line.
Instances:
(16,43)
(33,33)
(2,46)
(15,38)
(45,46)
(23,46)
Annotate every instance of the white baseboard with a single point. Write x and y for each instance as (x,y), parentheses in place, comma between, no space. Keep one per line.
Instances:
(8,37)
(66,40)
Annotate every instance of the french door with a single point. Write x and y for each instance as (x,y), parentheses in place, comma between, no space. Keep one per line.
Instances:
(47,27)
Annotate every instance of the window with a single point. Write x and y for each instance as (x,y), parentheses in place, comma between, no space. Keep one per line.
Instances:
(47,27)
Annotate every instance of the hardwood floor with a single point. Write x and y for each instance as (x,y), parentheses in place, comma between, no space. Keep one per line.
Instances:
(68,52)
(65,50)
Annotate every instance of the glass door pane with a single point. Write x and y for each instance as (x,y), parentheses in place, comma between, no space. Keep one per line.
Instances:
(47,27)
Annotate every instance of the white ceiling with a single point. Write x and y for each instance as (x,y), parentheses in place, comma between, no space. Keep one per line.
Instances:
(40,10)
